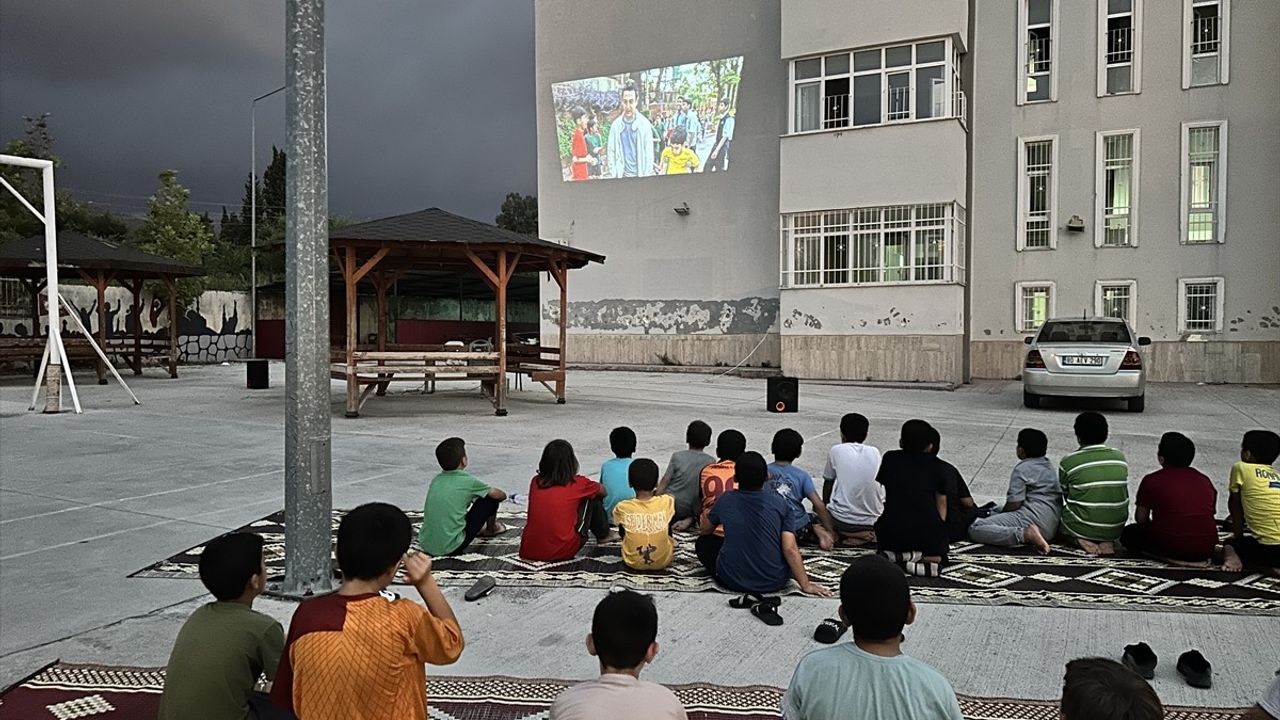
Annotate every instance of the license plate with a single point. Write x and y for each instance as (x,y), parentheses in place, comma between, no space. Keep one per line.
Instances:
(1084,360)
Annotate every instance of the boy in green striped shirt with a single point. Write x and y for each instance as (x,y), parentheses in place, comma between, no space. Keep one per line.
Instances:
(1095,489)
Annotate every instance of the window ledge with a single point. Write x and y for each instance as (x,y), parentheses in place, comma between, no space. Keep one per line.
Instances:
(1037,249)
(855,286)
(1130,246)
(1120,94)
(851,128)
(1210,243)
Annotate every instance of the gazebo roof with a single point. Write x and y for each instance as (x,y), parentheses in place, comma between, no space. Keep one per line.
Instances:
(26,258)
(439,237)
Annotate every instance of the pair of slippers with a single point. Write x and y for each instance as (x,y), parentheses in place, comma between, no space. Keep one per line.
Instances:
(1192,666)
(764,608)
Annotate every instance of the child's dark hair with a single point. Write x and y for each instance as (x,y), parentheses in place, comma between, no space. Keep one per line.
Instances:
(916,436)
(1102,689)
(1177,449)
(623,627)
(371,540)
(449,453)
(935,439)
(853,427)
(642,475)
(1033,442)
(787,444)
(577,112)
(558,466)
(227,563)
(697,435)
(730,445)
(750,471)
(1263,446)
(622,441)
(876,598)
(679,136)
(1091,428)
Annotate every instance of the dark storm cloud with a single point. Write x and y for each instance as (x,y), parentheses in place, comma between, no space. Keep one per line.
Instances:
(430,101)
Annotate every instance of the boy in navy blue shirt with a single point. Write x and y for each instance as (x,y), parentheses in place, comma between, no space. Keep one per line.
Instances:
(794,485)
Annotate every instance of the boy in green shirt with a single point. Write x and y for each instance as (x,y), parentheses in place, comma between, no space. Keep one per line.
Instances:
(459,508)
(225,645)
(1095,489)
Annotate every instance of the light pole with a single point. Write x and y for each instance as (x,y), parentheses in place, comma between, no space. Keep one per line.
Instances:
(253,217)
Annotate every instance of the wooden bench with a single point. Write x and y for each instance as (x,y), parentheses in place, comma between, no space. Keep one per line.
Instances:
(375,369)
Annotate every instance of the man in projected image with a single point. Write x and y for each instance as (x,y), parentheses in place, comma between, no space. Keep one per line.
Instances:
(630,140)
(724,138)
(687,120)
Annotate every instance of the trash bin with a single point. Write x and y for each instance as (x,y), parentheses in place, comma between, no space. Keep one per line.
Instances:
(258,374)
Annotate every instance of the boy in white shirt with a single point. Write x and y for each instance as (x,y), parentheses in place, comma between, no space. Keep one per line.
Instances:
(853,497)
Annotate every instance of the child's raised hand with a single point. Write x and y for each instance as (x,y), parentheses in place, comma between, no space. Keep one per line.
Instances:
(417,566)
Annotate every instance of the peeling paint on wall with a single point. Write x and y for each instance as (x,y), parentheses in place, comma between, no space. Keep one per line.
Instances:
(802,318)
(666,317)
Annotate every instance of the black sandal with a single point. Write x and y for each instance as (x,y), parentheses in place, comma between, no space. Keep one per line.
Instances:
(829,631)
(768,613)
(750,600)
(482,588)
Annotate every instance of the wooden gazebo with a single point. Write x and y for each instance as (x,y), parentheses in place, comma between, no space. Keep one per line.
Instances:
(99,263)
(429,242)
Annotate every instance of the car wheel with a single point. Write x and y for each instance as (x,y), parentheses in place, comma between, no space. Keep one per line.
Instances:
(1030,400)
(1137,404)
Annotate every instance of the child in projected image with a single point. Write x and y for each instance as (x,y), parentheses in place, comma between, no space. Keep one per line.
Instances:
(678,158)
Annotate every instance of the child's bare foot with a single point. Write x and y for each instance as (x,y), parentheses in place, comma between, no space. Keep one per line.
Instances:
(1032,536)
(1198,565)
(1231,561)
(682,525)
(493,530)
(1107,549)
(1090,546)
(826,540)
(609,539)
(857,539)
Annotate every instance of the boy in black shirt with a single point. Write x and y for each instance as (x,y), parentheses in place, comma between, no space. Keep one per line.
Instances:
(912,530)
(961,511)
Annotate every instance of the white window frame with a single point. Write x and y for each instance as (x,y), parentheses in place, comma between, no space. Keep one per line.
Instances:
(1135,82)
(1224,42)
(1019,314)
(1055,27)
(1024,198)
(1132,285)
(1100,187)
(1219,302)
(1185,182)
(953,101)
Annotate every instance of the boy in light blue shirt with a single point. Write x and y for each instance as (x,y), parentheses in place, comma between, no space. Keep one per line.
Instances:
(614,474)
(870,677)
(795,485)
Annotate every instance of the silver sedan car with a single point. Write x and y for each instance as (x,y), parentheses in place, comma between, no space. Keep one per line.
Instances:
(1085,357)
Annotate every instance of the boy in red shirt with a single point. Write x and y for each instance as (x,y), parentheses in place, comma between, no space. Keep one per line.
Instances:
(1174,509)
(563,507)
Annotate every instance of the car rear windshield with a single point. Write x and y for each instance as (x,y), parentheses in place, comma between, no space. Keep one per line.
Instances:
(1083,331)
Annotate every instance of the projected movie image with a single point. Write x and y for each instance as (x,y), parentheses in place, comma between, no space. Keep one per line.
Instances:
(664,121)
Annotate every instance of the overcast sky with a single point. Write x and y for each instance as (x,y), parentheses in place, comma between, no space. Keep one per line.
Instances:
(431,102)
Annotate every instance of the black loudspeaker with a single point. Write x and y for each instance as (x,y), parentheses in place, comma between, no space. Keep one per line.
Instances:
(783,395)
(257,374)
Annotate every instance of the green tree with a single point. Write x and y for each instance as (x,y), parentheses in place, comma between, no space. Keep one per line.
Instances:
(172,230)
(519,213)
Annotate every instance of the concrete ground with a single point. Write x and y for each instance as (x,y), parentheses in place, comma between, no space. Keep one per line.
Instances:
(86,500)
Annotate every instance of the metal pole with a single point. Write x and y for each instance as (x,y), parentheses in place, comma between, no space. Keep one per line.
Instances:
(253,217)
(308,500)
(57,359)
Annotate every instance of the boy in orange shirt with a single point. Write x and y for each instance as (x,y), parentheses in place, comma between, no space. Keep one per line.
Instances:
(718,477)
(359,653)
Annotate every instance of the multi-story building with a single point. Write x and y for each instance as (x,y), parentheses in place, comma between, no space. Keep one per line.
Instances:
(916,184)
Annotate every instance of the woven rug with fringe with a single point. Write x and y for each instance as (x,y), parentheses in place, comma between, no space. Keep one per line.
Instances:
(977,575)
(64,691)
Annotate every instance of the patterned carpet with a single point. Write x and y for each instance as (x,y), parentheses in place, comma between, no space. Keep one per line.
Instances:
(64,691)
(978,575)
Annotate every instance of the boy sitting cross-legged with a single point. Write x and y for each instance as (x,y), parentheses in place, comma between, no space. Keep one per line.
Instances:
(1095,489)
(912,530)
(849,488)
(613,474)
(645,520)
(719,477)
(1175,507)
(794,485)
(459,508)
(870,677)
(684,471)
(359,653)
(1033,503)
(624,632)
(1255,500)
(225,645)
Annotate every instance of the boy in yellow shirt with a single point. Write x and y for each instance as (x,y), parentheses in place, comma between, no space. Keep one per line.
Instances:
(1255,500)
(645,520)
(678,158)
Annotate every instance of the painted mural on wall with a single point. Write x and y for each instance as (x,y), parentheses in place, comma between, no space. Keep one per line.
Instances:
(214,328)
(669,317)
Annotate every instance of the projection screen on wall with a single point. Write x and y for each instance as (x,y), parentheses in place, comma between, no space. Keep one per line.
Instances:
(663,121)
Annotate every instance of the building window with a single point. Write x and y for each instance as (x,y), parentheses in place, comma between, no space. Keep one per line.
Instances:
(1120,46)
(1037,185)
(902,83)
(1116,299)
(873,246)
(1037,24)
(1204,177)
(1035,305)
(1205,41)
(1117,189)
(1200,305)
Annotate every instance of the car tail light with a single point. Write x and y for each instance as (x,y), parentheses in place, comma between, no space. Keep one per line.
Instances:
(1034,360)
(1132,361)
